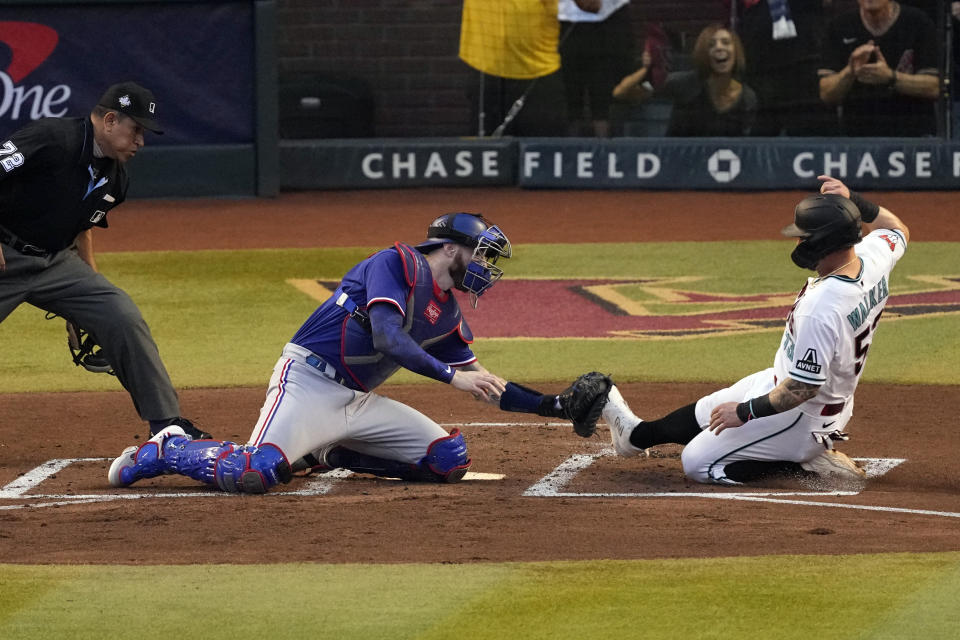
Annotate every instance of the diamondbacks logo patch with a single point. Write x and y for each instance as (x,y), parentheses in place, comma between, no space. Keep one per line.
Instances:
(891,239)
(432,312)
(809,363)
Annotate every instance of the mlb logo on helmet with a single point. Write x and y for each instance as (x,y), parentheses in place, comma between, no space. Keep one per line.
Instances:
(132,100)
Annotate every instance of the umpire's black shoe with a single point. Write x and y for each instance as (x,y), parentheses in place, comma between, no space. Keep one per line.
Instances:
(189,429)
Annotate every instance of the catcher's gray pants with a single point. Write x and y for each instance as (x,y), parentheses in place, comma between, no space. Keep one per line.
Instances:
(305,411)
(68,286)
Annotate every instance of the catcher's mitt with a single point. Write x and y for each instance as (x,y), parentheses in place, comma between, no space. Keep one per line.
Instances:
(583,401)
(85,350)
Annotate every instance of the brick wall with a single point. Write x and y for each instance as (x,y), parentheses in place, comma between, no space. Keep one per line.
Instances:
(406,50)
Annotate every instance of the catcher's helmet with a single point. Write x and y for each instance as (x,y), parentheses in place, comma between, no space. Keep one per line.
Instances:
(472,230)
(827,223)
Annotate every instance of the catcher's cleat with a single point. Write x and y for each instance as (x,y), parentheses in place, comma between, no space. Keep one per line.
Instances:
(313,462)
(622,422)
(145,461)
(835,465)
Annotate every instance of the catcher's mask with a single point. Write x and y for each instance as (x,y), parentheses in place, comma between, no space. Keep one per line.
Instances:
(86,352)
(488,242)
(826,223)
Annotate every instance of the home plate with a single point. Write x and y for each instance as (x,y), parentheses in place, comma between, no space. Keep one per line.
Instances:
(473,475)
(469,475)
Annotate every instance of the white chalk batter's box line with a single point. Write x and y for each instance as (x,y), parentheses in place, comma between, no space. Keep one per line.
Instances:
(547,487)
(552,485)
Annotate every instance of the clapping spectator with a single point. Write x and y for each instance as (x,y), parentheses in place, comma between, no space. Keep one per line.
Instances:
(880,64)
(710,100)
(782,39)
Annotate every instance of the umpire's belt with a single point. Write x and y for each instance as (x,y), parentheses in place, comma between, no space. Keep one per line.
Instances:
(27,249)
(324,367)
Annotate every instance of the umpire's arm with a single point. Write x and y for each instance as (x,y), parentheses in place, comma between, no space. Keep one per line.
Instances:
(84,244)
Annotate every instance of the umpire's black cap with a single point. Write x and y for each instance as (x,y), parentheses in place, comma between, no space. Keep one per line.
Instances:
(130,99)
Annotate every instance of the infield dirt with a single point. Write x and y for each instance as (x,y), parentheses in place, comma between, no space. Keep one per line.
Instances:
(363,519)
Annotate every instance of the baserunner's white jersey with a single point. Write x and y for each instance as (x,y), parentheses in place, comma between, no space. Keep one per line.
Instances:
(831,325)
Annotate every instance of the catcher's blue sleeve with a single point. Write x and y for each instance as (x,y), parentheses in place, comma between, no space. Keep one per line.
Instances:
(386,326)
(519,398)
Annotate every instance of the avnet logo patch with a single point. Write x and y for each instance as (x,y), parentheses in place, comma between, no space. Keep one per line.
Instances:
(809,363)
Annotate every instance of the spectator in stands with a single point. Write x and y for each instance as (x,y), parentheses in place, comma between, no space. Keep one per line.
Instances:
(596,50)
(782,39)
(514,46)
(880,64)
(709,100)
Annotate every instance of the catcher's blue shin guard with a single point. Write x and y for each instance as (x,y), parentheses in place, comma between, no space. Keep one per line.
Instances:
(196,459)
(251,469)
(446,461)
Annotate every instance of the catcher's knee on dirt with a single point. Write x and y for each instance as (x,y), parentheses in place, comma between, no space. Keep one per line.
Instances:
(251,469)
(446,461)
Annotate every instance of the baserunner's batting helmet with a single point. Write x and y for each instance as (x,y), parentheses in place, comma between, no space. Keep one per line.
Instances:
(827,223)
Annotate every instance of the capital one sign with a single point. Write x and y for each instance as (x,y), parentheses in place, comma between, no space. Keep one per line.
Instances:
(30,44)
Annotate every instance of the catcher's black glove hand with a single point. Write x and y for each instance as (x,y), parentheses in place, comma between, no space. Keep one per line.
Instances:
(582,402)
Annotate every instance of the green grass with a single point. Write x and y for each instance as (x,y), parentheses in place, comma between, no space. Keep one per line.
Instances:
(221,317)
(836,597)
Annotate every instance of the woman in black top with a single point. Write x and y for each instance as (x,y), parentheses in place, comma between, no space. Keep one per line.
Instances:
(710,100)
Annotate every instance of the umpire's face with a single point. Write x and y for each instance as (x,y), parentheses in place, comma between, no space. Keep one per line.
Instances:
(123,137)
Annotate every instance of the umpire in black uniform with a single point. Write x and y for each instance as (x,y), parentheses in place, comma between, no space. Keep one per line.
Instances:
(59,177)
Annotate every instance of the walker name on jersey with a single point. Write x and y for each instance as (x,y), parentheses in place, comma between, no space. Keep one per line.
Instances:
(875,296)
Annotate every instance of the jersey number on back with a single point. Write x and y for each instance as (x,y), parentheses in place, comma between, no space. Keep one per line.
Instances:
(860,346)
(13,158)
